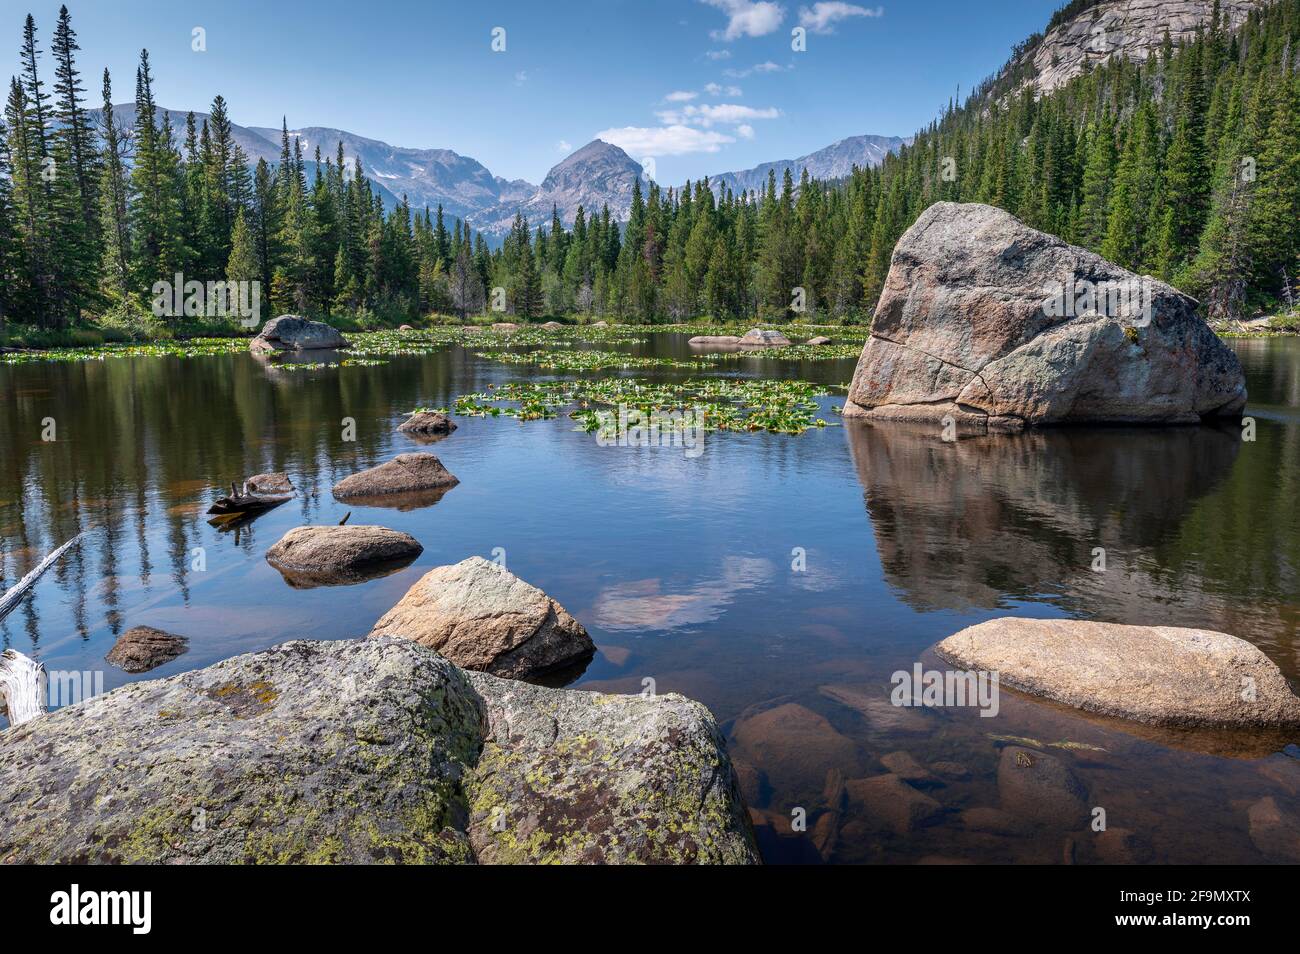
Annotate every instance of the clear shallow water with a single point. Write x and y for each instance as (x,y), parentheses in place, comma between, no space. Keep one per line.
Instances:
(682,568)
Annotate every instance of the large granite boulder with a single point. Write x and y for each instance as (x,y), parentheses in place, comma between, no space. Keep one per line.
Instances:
(405,477)
(759,338)
(1158,675)
(481,616)
(326,556)
(1000,326)
(362,752)
(296,333)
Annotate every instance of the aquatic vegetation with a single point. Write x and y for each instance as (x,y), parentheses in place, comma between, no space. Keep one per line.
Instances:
(192,348)
(724,404)
(593,360)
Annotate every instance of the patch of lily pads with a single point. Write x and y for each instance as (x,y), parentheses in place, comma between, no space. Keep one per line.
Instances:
(717,404)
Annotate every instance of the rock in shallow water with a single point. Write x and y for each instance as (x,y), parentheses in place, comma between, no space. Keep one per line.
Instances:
(1041,789)
(295,333)
(967,326)
(405,474)
(323,556)
(142,648)
(481,616)
(427,423)
(757,337)
(1159,675)
(368,751)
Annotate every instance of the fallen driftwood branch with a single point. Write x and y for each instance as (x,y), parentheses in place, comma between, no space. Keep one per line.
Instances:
(11,598)
(246,502)
(22,685)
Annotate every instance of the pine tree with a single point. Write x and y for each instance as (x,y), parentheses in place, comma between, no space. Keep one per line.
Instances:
(113,189)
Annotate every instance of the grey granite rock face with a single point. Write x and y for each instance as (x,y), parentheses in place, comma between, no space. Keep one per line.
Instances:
(996,325)
(1131,29)
(1158,675)
(481,616)
(296,333)
(367,751)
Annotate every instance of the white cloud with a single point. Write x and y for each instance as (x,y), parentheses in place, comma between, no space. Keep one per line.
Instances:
(669,140)
(564,146)
(680,96)
(745,131)
(521,77)
(823,16)
(766,67)
(716,89)
(706,115)
(718,54)
(747,18)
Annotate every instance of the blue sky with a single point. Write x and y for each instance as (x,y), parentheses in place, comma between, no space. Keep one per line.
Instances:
(423,73)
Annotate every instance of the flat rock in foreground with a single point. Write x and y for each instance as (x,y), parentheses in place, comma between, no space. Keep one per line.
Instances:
(362,752)
(1159,675)
(481,616)
(1000,326)
(295,333)
(142,648)
(320,556)
(404,474)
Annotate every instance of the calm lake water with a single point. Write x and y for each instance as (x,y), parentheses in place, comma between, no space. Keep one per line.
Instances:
(771,572)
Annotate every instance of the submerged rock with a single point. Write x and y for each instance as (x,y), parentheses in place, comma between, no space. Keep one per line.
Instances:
(142,648)
(405,474)
(1159,675)
(819,340)
(295,333)
(998,325)
(275,482)
(1274,830)
(1041,789)
(796,748)
(757,337)
(327,556)
(427,424)
(714,340)
(481,616)
(890,801)
(362,752)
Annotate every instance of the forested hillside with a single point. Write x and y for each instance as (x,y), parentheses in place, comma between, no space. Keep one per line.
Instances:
(1186,167)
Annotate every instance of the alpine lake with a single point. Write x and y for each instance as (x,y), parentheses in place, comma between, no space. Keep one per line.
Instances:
(779,565)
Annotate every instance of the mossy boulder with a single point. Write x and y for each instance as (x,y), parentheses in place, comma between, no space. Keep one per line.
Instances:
(366,751)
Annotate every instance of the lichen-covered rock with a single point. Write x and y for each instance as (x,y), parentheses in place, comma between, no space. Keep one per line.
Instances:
(481,616)
(1158,675)
(296,333)
(323,556)
(427,423)
(996,325)
(583,777)
(403,476)
(142,648)
(366,751)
